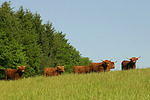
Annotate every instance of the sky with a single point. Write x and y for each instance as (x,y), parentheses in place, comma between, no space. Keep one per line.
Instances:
(99,29)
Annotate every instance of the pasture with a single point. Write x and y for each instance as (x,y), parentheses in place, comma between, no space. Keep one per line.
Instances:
(114,85)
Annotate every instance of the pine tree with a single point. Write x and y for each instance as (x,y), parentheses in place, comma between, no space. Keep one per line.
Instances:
(48,37)
(25,41)
(29,39)
(11,52)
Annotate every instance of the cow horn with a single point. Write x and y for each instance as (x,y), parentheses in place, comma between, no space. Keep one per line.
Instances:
(102,60)
(115,61)
(110,59)
(128,58)
(138,57)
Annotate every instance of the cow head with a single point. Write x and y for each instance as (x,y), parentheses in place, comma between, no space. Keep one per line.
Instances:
(21,68)
(134,59)
(60,68)
(110,64)
(105,64)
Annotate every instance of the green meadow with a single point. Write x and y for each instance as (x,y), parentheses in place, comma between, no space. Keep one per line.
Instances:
(114,85)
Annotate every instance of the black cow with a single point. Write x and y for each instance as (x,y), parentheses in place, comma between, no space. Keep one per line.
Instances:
(129,64)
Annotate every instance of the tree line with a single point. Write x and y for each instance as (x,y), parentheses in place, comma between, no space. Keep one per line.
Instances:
(24,40)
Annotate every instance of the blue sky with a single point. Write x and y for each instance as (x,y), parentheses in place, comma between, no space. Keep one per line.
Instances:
(99,29)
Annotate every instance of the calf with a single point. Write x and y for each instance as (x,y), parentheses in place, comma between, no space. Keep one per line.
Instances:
(14,74)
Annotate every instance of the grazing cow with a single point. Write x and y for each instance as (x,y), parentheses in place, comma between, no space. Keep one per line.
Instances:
(53,71)
(14,74)
(129,64)
(81,69)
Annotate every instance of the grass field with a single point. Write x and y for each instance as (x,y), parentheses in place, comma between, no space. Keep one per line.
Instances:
(114,85)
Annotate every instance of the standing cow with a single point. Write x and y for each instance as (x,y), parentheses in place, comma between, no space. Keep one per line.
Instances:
(97,67)
(53,71)
(105,65)
(81,69)
(111,65)
(14,74)
(129,64)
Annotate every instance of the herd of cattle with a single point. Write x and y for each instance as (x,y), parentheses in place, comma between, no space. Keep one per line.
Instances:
(104,66)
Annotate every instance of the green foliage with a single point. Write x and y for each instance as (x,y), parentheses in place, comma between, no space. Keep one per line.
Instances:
(29,71)
(11,52)
(25,41)
(85,61)
(2,72)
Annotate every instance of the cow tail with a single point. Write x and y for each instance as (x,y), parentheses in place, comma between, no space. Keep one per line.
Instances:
(6,76)
(74,70)
(44,73)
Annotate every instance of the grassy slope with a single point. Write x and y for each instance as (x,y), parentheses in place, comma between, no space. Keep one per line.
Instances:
(119,85)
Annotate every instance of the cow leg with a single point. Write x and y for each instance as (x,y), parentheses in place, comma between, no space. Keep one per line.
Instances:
(124,68)
(57,74)
(134,66)
(6,77)
(45,75)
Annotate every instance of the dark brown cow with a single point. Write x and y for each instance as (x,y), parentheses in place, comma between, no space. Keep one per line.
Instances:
(111,65)
(14,74)
(129,64)
(81,69)
(53,71)
(97,67)
(105,65)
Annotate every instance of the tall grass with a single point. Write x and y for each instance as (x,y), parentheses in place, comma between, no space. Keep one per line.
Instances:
(114,85)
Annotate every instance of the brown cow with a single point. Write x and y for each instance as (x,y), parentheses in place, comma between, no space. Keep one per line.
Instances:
(14,74)
(105,65)
(81,69)
(111,65)
(97,67)
(129,64)
(53,71)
